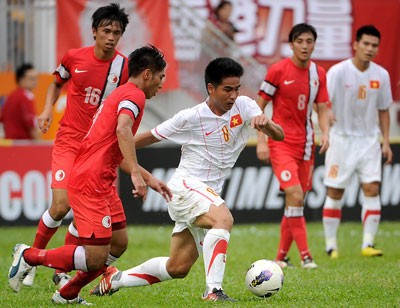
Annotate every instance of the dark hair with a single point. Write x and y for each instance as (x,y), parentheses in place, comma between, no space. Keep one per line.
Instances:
(299,29)
(221,68)
(368,30)
(21,71)
(106,15)
(146,57)
(220,6)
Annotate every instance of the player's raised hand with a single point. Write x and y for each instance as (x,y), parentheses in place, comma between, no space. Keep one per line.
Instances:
(268,127)
(160,187)
(139,186)
(44,120)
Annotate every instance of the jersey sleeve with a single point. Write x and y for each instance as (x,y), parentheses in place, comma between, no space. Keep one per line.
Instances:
(270,83)
(248,108)
(322,95)
(385,97)
(62,72)
(176,129)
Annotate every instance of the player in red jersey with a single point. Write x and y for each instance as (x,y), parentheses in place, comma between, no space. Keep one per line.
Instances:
(93,73)
(294,85)
(98,212)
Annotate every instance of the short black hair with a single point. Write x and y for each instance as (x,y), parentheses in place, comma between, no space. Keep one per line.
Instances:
(368,30)
(21,71)
(221,68)
(106,15)
(299,29)
(146,57)
(221,5)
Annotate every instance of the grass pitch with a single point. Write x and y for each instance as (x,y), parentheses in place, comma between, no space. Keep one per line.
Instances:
(350,281)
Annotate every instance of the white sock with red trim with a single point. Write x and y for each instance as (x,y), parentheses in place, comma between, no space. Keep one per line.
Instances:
(370,217)
(149,272)
(331,216)
(214,253)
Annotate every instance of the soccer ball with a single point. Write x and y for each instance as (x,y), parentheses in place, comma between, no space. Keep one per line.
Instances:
(264,278)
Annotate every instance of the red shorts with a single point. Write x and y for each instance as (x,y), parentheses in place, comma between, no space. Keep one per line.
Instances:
(65,149)
(97,216)
(290,170)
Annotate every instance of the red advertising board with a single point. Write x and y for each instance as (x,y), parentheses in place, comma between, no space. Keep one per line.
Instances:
(25,178)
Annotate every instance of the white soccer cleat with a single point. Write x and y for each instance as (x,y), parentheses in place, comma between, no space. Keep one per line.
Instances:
(58,299)
(308,263)
(19,268)
(30,277)
(61,279)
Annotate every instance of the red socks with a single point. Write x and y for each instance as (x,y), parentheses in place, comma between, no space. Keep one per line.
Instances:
(61,258)
(43,235)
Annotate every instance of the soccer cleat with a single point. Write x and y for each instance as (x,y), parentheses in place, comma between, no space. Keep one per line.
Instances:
(19,268)
(308,263)
(105,285)
(218,295)
(30,277)
(333,253)
(60,279)
(58,299)
(285,263)
(371,251)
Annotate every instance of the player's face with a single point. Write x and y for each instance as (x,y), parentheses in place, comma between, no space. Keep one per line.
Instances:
(154,83)
(367,48)
(107,36)
(224,95)
(303,47)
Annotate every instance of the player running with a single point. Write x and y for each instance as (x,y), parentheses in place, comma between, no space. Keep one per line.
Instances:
(212,135)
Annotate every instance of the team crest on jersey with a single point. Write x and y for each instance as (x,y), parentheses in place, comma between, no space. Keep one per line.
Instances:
(314,82)
(60,175)
(113,78)
(286,175)
(374,84)
(106,221)
(236,120)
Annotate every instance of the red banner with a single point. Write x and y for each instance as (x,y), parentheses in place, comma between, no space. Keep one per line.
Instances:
(148,23)
(264,26)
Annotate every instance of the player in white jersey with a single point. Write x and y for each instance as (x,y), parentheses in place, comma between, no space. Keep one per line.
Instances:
(360,93)
(212,135)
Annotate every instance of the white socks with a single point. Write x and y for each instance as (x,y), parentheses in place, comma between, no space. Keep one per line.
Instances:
(370,217)
(149,272)
(331,216)
(214,253)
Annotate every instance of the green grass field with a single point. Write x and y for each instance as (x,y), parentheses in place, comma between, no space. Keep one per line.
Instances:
(350,281)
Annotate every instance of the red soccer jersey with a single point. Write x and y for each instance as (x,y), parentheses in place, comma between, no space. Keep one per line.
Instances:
(293,91)
(91,80)
(94,170)
(18,114)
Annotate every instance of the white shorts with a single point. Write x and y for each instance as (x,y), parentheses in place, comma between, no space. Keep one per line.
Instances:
(348,155)
(191,199)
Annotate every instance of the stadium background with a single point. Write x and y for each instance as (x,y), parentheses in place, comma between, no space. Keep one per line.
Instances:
(40,31)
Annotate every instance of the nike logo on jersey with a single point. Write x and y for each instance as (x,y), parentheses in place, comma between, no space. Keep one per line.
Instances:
(288,82)
(79,71)
(209,133)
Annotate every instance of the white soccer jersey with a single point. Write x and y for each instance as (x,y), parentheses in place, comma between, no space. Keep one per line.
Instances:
(357,96)
(211,144)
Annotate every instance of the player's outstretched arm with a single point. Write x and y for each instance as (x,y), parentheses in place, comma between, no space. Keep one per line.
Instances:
(268,127)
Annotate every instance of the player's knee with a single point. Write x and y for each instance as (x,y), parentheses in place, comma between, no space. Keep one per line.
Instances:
(96,262)
(178,270)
